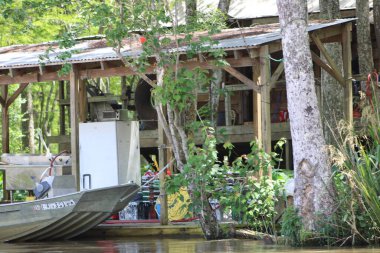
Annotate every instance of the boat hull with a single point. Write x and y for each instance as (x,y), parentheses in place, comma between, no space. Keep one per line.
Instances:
(62,217)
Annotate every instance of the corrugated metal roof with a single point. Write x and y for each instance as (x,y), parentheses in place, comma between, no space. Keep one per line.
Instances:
(93,51)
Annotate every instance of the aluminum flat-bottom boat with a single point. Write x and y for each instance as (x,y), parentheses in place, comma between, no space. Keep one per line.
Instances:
(62,217)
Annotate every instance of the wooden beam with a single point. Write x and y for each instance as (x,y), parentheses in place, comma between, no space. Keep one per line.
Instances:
(257,103)
(53,76)
(28,78)
(37,76)
(276,75)
(265,101)
(329,59)
(328,32)
(20,89)
(242,78)
(327,68)
(74,77)
(32,78)
(347,70)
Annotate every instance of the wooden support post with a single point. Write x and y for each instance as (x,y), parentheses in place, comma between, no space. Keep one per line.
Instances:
(161,162)
(257,102)
(74,124)
(5,119)
(265,76)
(347,58)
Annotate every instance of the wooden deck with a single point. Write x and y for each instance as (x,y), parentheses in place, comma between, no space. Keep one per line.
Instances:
(122,229)
(237,134)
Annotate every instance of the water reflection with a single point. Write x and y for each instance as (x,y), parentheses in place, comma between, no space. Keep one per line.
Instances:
(134,245)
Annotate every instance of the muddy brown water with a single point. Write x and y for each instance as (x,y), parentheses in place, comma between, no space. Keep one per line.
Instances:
(134,245)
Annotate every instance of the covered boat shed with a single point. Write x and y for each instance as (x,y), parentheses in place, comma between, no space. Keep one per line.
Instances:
(252,71)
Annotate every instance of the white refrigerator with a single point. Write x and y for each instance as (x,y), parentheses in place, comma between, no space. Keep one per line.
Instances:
(109,153)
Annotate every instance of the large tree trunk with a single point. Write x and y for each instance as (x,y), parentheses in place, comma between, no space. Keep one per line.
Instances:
(376,19)
(215,86)
(25,121)
(31,142)
(191,9)
(208,220)
(364,37)
(311,168)
(332,102)
(224,6)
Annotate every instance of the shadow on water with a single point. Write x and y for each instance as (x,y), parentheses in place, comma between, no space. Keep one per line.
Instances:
(134,245)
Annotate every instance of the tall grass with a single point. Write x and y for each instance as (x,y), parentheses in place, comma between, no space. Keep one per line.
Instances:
(357,157)
(367,169)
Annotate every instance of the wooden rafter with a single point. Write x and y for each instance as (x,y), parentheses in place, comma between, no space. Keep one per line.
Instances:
(327,68)
(84,73)
(334,68)
(6,102)
(20,89)
(347,58)
(242,78)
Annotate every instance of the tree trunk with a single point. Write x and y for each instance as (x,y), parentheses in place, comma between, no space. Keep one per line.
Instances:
(311,168)
(30,111)
(214,95)
(191,9)
(224,6)
(376,19)
(329,9)
(51,114)
(45,115)
(364,37)
(25,121)
(208,220)
(332,102)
